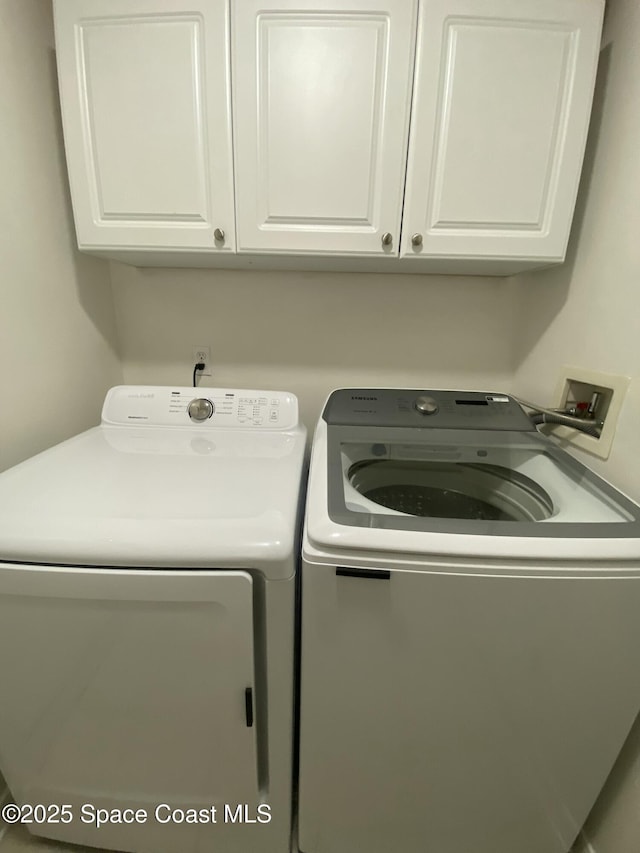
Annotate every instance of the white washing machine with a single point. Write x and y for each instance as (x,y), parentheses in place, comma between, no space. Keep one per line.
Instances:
(470,629)
(147,576)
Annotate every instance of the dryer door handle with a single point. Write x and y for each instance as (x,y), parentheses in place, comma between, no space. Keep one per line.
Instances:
(371,574)
(248,706)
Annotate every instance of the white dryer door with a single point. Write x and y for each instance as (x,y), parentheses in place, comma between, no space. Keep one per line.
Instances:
(127,688)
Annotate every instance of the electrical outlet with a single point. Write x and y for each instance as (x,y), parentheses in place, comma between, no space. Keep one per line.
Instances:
(202,354)
(576,386)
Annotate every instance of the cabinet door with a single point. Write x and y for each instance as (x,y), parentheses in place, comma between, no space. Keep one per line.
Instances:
(500,115)
(321,106)
(146,110)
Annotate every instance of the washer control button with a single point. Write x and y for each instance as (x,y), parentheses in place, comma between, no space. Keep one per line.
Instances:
(200,409)
(426,405)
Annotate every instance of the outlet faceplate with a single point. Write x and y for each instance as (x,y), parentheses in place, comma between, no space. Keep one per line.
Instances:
(577,384)
(202,354)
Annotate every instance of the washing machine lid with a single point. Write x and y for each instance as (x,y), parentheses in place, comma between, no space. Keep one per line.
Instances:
(465,490)
(138,491)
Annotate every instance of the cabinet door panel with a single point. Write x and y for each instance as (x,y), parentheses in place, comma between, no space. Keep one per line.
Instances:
(321,109)
(499,124)
(145,94)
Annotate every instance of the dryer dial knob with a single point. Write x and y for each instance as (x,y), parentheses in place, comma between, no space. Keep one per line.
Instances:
(426,405)
(200,409)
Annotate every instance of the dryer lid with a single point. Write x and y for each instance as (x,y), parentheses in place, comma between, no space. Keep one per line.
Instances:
(158,496)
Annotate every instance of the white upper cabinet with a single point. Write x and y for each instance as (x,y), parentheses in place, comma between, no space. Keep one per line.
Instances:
(405,135)
(321,99)
(147,119)
(501,107)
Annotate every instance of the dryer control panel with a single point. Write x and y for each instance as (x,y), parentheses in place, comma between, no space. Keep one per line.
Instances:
(222,408)
(425,408)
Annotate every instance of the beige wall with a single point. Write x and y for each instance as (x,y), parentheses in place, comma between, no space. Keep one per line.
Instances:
(57,330)
(587,313)
(311,332)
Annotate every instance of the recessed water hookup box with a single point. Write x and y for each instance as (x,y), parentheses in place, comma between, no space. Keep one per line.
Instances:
(594,396)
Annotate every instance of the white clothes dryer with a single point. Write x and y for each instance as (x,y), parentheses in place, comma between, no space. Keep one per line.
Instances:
(470,629)
(147,578)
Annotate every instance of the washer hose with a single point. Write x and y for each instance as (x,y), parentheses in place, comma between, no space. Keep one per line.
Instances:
(566,420)
(551,416)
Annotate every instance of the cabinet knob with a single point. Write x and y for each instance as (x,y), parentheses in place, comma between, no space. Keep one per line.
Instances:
(416,240)
(219,234)
(387,238)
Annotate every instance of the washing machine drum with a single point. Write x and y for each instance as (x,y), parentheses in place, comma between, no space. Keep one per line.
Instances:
(451,490)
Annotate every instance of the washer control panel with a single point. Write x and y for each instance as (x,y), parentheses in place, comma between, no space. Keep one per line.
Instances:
(417,408)
(223,408)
